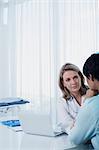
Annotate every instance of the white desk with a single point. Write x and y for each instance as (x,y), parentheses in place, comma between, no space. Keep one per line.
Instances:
(10,140)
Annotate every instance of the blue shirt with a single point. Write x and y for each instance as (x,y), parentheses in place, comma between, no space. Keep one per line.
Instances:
(87,123)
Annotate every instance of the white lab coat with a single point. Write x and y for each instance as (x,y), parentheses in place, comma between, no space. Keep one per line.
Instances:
(66,113)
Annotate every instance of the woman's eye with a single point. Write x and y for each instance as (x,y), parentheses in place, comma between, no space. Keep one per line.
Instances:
(67,80)
(76,77)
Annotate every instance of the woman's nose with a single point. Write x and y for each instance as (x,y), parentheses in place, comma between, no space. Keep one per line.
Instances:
(73,81)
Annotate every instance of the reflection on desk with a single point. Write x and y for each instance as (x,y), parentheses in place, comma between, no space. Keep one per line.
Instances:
(61,142)
(10,140)
(30,142)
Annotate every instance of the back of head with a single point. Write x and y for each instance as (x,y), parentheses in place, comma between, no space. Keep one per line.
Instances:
(91,66)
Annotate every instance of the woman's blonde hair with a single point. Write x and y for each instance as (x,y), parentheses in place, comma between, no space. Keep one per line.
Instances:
(65,91)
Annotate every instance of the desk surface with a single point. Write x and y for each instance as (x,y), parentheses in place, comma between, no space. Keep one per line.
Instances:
(10,140)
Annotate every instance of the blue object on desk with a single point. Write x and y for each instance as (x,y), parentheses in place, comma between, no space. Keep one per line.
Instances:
(11,123)
(3,104)
(18,102)
(12,101)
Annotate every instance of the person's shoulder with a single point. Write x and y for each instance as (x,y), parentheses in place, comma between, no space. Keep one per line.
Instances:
(91,106)
(61,100)
(92,99)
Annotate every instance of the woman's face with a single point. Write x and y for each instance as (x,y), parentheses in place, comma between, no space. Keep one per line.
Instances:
(72,81)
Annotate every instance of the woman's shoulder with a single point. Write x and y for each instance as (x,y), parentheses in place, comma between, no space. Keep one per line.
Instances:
(63,101)
(62,104)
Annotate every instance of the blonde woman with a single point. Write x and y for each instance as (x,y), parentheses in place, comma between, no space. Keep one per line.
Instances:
(71,83)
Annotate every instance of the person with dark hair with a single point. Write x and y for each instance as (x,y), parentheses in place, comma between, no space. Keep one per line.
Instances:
(86,126)
(71,83)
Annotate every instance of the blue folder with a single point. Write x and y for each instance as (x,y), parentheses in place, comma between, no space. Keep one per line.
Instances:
(11,123)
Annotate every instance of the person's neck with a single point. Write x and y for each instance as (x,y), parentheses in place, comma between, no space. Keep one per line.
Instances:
(77,97)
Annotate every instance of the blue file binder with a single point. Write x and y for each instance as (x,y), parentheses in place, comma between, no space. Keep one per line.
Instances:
(11,123)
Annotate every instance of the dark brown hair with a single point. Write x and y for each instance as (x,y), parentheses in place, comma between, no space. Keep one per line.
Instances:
(91,66)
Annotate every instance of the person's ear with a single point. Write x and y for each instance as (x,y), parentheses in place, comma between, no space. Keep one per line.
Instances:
(91,77)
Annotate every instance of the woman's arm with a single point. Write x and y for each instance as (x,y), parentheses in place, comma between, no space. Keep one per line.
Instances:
(65,121)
